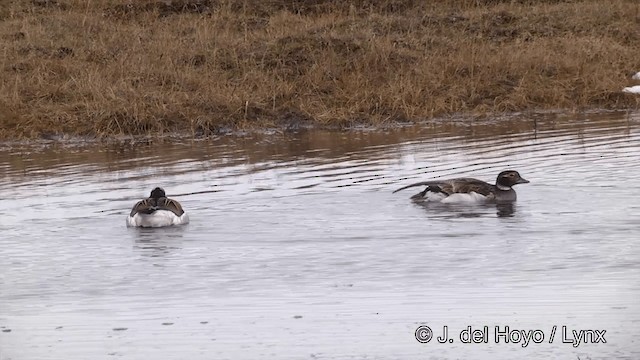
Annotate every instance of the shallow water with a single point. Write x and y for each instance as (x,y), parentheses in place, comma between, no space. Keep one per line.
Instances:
(298,249)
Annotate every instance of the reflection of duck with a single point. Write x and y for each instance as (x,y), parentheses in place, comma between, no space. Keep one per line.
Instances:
(440,210)
(505,209)
(157,211)
(469,190)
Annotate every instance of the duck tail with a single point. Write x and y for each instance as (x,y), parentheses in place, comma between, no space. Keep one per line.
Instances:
(423,183)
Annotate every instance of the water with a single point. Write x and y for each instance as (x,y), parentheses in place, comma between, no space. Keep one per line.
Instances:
(298,249)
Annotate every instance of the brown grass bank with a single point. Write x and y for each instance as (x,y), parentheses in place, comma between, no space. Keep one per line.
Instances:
(107,67)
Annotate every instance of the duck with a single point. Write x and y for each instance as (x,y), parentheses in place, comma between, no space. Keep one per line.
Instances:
(157,211)
(636,76)
(632,89)
(469,190)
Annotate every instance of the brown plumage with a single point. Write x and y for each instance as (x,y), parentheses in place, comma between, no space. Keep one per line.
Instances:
(157,201)
(502,191)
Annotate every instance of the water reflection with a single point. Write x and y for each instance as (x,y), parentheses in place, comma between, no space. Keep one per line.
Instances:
(507,209)
(440,210)
(284,150)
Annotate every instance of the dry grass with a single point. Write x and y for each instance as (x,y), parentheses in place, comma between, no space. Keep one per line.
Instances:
(106,67)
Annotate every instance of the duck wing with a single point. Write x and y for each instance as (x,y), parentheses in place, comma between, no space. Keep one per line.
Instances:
(170,205)
(452,186)
(467,185)
(146,206)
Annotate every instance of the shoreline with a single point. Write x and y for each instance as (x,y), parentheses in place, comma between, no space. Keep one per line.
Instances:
(109,68)
(452,122)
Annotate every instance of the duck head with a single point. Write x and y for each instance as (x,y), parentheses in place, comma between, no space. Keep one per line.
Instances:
(157,193)
(507,179)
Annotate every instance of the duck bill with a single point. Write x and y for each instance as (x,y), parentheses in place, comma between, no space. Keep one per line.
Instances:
(522,181)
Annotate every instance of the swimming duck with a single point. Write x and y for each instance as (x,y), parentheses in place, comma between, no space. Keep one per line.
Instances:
(469,190)
(157,211)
